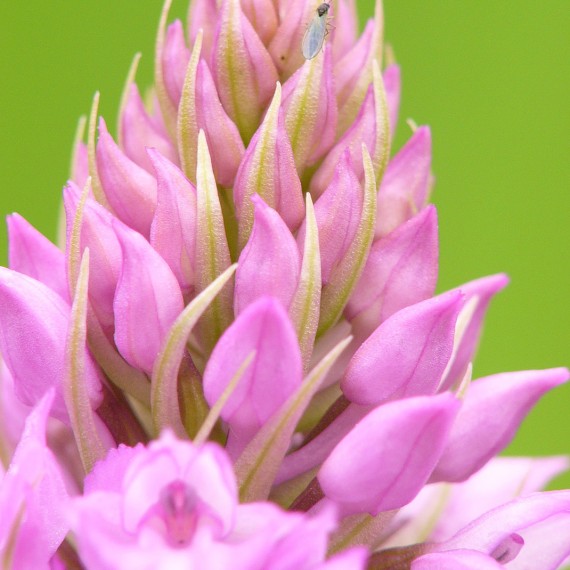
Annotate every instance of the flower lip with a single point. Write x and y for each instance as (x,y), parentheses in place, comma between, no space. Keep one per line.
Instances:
(178,505)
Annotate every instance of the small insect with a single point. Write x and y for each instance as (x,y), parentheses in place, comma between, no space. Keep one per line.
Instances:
(315,35)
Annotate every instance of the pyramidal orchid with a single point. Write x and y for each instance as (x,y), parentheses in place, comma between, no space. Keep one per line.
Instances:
(235,358)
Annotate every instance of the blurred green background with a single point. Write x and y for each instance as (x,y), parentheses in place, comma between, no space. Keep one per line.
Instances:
(491,78)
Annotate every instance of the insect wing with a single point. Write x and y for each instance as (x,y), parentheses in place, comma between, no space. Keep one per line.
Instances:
(314,36)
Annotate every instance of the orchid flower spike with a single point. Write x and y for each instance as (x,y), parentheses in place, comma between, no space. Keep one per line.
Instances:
(237,358)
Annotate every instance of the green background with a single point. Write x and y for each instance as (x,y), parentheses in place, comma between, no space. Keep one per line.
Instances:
(491,78)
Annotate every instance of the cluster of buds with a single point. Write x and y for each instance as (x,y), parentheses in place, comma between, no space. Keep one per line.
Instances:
(236,358)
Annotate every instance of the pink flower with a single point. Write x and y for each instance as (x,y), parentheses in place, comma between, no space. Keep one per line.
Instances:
(33,498)
(175,505)
(239,346)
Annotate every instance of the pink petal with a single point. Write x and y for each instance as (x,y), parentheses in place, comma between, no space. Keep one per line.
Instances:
(270,263)
(101,541)
(387,458)
(224,141)
(34,489)
(338,212)
(33,332)
(143,483)
(34,255)
(274,374)
(246,78)
(406,355)
(130,190)
(280,541)
(305,545)
(493,409)
(483,290)
(401,270)
(140,132)
(404,188)
(147,301)
(108,474)
(175,57)
(173,230)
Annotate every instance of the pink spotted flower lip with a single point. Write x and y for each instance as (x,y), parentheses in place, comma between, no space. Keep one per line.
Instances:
(236,356)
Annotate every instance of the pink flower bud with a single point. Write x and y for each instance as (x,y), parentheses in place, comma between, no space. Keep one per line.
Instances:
(139,131)
(270,262)
(268,381)
(147,301)
(242,67)
(404,188)
(130,190)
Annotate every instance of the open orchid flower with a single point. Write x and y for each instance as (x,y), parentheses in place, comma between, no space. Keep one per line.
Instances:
(175,505)
(237,358)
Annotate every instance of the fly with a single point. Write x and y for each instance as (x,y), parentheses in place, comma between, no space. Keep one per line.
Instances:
(316,32)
